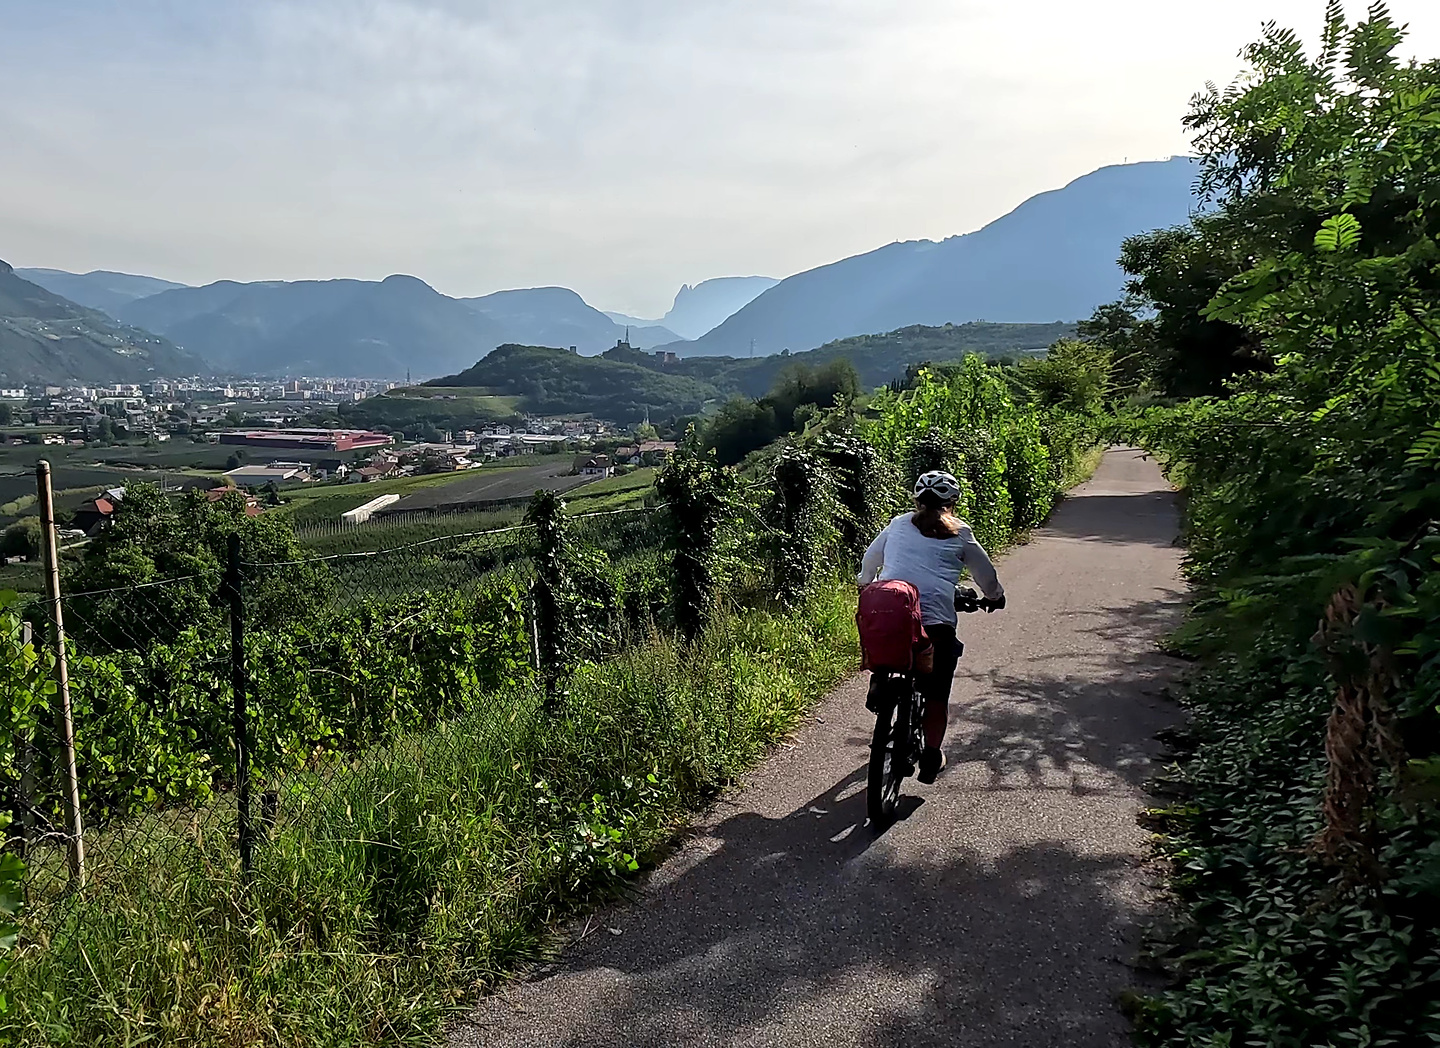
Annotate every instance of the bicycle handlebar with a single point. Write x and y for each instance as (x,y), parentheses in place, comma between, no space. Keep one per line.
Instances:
(967,600)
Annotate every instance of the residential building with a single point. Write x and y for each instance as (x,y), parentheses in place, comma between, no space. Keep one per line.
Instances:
(599,466)
(94,516)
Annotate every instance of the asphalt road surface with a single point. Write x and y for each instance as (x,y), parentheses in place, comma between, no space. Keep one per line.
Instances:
(1000,910)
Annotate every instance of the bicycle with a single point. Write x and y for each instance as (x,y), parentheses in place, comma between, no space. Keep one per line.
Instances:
(899,736)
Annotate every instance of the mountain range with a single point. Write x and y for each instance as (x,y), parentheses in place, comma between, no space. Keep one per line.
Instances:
(47,338)
(98,289)
(1050,259)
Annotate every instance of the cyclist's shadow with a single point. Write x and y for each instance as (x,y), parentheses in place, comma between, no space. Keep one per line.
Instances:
(832,826)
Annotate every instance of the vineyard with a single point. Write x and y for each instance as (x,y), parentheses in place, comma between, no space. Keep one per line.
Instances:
(351,787)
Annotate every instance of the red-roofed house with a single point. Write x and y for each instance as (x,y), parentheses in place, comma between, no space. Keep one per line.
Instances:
(95,515)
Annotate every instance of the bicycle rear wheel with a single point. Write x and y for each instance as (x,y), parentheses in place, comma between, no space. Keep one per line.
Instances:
(887,756)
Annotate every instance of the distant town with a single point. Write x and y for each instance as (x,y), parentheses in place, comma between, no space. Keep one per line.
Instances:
(270,440)
(247,414)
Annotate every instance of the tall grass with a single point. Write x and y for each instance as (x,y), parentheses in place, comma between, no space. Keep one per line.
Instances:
(393,888)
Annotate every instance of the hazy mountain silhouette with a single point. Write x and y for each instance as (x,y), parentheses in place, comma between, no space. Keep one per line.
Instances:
(342,328)
(98,289)
(698,309)
(45,338)
(1050,259)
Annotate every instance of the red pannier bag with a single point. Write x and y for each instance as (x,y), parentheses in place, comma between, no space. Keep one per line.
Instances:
(891,634)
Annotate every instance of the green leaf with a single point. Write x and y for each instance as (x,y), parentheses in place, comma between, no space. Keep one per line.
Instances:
(1338,233)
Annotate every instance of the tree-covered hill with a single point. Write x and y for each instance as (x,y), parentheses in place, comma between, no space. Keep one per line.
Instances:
(556,381)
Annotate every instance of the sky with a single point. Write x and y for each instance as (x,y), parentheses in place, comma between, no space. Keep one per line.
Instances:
(617,147)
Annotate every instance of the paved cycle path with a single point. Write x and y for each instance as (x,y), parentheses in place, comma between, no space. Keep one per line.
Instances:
(1001,909)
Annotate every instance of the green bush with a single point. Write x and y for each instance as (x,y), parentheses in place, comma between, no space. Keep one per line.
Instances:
(1306,837)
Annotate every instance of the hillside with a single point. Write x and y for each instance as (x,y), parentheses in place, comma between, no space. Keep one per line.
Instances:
(98,289)
(1050,259)
(344,328)
(879,358)
(45,338)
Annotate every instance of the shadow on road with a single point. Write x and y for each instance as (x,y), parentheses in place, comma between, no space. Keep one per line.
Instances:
(796,912)
(1149,517)
(1035,729)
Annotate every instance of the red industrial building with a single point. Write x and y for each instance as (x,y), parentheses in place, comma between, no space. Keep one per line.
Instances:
(334,440)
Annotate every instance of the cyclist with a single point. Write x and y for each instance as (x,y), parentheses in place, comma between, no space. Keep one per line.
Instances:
(928,549)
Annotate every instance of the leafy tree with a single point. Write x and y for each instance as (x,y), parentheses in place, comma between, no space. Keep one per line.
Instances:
(743,426)
(1126,330)
(178,549)
(7,414)
(435,462)
(22,539)
(1073,376)
(824,386)
(740,427)
(1175,273)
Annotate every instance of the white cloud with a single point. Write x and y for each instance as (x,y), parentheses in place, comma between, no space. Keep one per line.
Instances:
(616,147)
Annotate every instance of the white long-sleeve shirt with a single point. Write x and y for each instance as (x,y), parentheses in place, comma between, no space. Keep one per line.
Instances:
(932,566)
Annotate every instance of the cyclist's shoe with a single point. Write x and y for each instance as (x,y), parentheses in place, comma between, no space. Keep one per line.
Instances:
(932,762)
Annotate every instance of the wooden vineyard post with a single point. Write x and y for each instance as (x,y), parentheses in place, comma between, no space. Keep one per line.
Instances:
(73,821)
(25,765)
(239,716)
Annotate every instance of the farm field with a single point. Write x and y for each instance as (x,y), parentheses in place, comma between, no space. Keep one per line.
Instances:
(486,486)
(325,534)
(178,453)
(312,504)
(81,473)
(614,492)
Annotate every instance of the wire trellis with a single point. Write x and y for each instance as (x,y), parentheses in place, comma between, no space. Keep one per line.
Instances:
(214,711)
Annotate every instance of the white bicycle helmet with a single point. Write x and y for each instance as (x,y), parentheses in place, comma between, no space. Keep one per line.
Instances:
(942,485)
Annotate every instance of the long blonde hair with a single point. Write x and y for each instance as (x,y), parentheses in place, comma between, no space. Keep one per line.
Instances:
(935,519)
